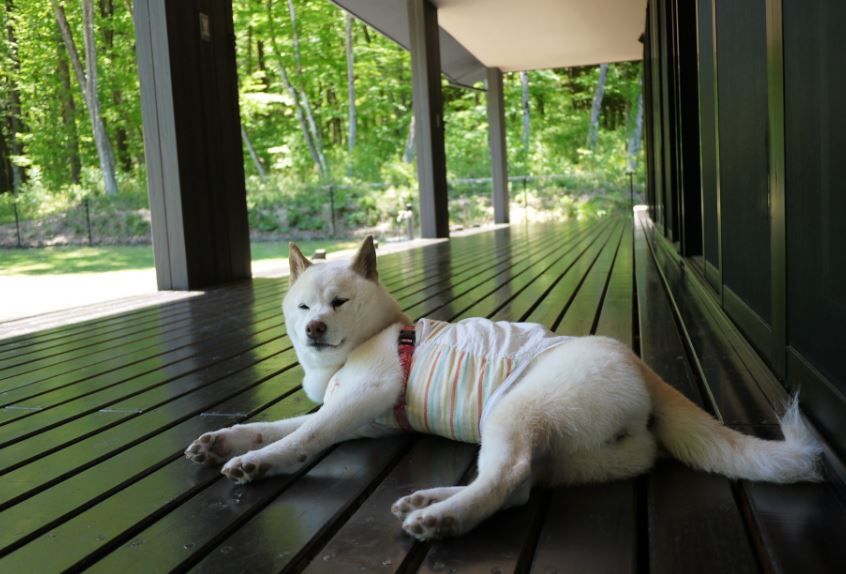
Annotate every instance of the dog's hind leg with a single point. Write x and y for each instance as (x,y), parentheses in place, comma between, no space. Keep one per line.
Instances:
(221,445)
(423,498)
(623,456)
(429,496)
(504,479)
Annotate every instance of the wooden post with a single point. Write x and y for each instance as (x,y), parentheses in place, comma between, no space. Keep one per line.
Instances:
(496,142)
(428,114)
(195,170)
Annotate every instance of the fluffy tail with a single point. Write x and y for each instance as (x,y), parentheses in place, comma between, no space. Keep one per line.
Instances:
(694,437)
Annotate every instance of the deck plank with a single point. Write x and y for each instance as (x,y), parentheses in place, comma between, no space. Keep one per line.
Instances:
(465,457)
(709,522)
(371,539)
(189,358)
(793,525)
(141,393)
(537,264)
(97,414)
(180,442)
(593,528)
(505,541)
(582,313)
(616,317)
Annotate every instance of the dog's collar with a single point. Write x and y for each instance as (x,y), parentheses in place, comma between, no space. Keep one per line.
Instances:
(405,347)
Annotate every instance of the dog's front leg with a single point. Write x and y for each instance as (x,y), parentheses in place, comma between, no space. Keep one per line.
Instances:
(341,419)
(219,446)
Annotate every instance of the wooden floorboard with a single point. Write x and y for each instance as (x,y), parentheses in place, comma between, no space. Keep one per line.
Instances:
(52,510)
(501,543)
(95,417)
(794,527)
(187,357)
(510,276)
(593,528)
(709,522)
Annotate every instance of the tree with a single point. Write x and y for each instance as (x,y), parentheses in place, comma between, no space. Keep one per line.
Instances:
(348,45)
(303,93)
(527,125)
(88,83)
(68,112)
(408,154)
(295,61)
(634,140)
(253,155)
(593,128)
(107,16)
(300,98)
(15,125)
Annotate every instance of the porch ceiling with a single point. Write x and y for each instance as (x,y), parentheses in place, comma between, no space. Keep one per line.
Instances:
(534,34)
(517,35)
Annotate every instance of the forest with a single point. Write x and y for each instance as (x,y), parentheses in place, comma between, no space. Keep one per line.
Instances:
(326,110)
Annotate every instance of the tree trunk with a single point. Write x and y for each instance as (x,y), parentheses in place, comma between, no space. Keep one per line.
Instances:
(249,50)
(527,126)
(6,184)
(14,117)
(261,65)
(408,156)
(348,36)
(316,156)
(253,155)
(634,141)
(88,81)
(312,125)
(593,129)
(69,114)
(107,10)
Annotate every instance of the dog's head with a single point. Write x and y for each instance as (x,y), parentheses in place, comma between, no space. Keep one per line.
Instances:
(331,308)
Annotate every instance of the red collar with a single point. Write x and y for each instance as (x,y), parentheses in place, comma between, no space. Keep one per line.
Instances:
(405,347)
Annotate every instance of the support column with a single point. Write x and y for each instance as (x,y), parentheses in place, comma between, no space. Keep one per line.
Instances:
(428,117)
(192,142)
(496,142)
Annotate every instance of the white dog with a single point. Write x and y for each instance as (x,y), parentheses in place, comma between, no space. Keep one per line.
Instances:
(546,409)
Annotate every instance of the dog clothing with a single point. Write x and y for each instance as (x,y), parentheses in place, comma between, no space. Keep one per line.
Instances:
(459,371)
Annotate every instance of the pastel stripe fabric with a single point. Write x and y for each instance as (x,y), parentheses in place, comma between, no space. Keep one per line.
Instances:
(459,371)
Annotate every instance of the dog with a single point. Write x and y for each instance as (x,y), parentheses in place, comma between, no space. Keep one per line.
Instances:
(547,410)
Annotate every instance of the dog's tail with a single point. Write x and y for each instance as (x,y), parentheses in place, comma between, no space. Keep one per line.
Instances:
(697,439)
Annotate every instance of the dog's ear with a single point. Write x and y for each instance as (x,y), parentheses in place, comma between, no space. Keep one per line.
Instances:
(296,261)
(365,260)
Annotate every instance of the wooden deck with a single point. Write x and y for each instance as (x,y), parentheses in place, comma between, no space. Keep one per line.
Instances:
(95,417)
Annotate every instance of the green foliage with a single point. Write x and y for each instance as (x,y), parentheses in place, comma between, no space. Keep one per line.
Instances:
(293,200)
(57,130)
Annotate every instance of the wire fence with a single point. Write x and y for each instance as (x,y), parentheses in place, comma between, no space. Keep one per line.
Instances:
(86,222)
(322,210)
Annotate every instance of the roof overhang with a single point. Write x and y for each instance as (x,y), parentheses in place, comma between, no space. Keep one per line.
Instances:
(517,35)
(390,17)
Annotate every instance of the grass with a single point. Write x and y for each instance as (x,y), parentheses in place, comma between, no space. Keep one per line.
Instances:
(59,260)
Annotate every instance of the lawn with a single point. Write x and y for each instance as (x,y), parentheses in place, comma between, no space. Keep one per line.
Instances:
(55,260)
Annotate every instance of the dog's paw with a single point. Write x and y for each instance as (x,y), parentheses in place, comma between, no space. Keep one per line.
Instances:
(421,499)
(211,448)
(431,524)
(241,470)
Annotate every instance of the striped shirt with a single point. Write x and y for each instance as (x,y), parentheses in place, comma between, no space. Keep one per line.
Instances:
(460,370)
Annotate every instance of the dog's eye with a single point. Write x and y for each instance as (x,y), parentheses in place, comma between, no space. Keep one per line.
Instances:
(337,302)
(303,306)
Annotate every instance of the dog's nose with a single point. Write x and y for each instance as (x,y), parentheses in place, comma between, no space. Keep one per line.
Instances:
(315,329)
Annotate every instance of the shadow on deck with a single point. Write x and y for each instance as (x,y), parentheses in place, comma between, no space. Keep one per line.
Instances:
(95,417)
